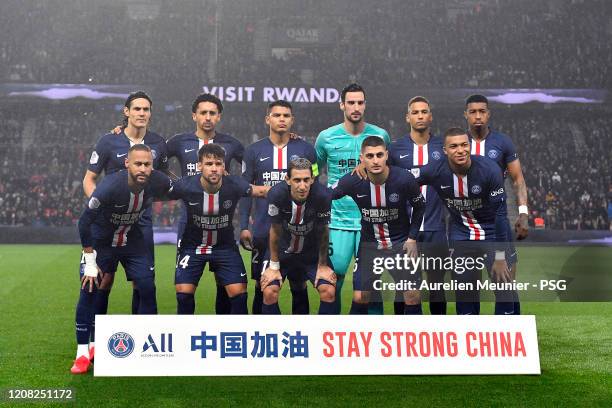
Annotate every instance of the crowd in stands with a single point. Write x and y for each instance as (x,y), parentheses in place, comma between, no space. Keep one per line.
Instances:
(44,154)
(483,44)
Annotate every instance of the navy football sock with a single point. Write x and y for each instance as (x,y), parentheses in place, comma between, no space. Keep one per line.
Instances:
(359,308)
(257,301)
(437,308)
(84,315)
(327,308)
(376,308)
(272,309)
(468,308)
(148,302)
(299,302)
(239,304)
(135,300)
(413,309)
(101,302)
(185,303)
(222,301)
(398,307)
(504,308)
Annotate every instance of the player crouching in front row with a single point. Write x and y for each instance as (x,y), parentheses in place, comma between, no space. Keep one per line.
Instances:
(299,238)
(210,199)
(111,234)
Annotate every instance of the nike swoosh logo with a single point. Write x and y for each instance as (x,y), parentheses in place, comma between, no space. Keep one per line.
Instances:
(508,313)
(361,195)
(443,187)
(121,155)
(120,206)
(265,158)
(243,274)
(190,203)
(151,268)
(189,150)
(403,155)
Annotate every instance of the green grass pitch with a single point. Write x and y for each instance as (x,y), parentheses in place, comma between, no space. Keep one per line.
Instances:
(39,289)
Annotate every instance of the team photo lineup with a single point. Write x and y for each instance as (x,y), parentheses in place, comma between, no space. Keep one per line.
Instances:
(382,197)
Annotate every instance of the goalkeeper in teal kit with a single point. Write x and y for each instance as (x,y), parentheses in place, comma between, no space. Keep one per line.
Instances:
(338,148)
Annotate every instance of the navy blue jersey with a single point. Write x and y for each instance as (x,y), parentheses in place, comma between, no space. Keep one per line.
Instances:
(266,165)
(474,201)
(113,211)
(406,154)
(299,220)
(185,147)
(384,216)
(111,150)
(209,216)
(497,147)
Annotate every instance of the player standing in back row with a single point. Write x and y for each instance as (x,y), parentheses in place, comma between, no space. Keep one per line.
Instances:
(338,148)
(206,110)
(266,164)
(498,147)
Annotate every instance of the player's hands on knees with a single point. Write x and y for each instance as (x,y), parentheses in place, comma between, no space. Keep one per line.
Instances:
(500,271)
(246,240)
(410,246)
(326,273)
(117,129)
(90,270)
(360,170)
(269,276)
(522,227)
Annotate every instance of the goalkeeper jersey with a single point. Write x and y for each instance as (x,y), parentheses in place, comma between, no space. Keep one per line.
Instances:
(339,151)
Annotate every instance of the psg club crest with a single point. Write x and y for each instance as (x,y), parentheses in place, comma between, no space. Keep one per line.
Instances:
(394,198)
(476,189)
(436,155)
(294,157)
(227,204)
(154,153)
(121,344)
(493,154)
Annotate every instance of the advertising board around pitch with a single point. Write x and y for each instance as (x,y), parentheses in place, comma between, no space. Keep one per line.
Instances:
(208,345)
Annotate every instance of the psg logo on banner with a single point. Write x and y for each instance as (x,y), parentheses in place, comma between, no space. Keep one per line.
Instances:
(121,345)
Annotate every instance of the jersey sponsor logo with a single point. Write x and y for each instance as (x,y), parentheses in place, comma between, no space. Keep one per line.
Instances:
(476,189)
(436,155)
(493,154)
(403,155)
(272,210)
(394,198)
(121,155)
(416,172)
(497,192)
(94,157)
(227,204)
(189,150)
(93,203)
(121,344)
(263,158)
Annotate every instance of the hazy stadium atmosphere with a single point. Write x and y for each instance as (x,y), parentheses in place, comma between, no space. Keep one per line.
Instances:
(67,66)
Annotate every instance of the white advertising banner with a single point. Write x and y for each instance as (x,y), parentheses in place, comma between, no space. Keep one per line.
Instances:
(208,345)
